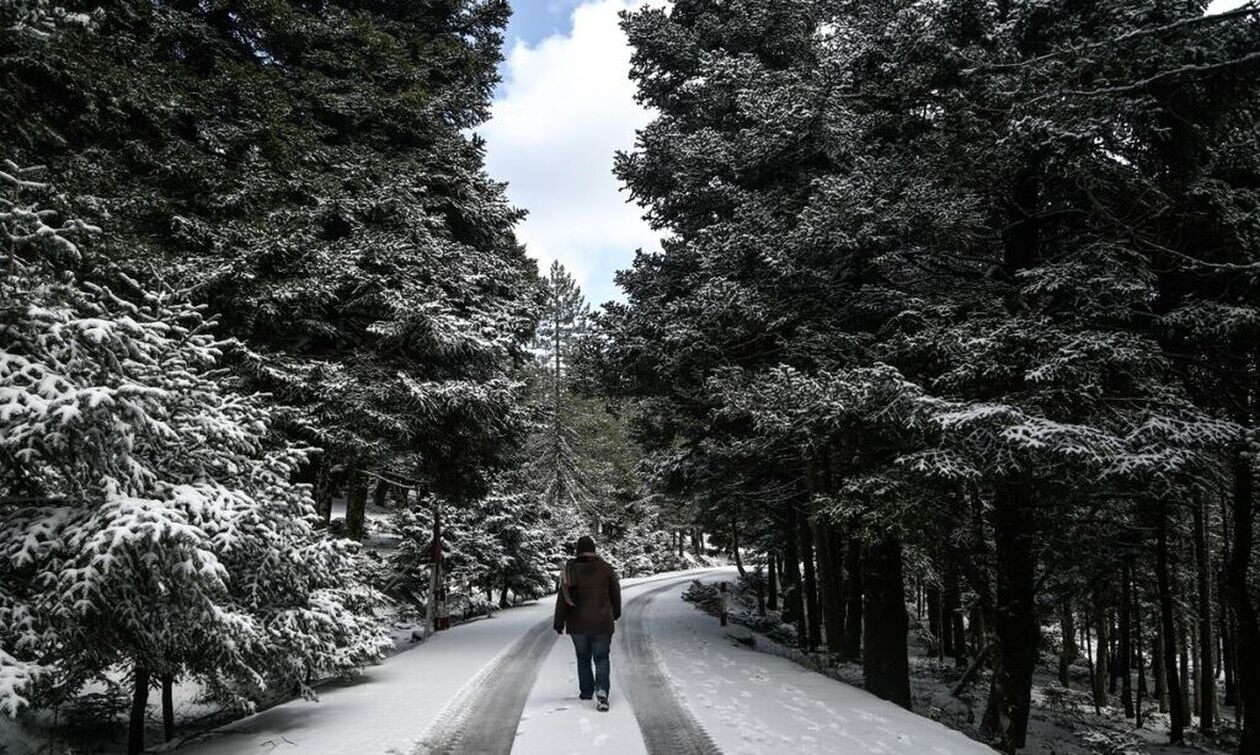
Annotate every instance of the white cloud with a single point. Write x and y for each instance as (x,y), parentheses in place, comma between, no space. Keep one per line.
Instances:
(566,107)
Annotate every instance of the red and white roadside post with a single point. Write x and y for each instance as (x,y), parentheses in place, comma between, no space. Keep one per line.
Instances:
(725,598)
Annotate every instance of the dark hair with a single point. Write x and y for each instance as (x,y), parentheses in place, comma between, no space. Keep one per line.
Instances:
(585,544)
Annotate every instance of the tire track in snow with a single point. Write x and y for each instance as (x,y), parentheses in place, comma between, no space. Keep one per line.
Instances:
(666,723)
(484,716)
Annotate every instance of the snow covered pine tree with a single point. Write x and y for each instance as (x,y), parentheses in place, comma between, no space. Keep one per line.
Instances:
(150,523)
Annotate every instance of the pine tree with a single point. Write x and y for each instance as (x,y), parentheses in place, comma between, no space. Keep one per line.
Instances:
(150,520)
(991,215)
(561,466)
(307,172)
(510,540)
(580,458)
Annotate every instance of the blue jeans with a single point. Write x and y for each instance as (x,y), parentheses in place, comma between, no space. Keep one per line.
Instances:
(592,647)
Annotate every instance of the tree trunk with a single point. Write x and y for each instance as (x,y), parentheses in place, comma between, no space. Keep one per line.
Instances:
(139,702)
(853,603)
(356,502)
(979,631)
(323,492)
(1068,653)
(380,495)
(1100,653)
(1113,659)
(437,579)
(168,708)
(1207,641)
(951,598)
(1168,632)
(1126,638)
(772,583)
(829,590)
(1227,658)
(1192,637)
(970,673)
(979,568)
(557,410)
(885,663)
(793,600)
(1089,659)
(1157,668)
(1229,634)
(739,561)
(1184,673)
(1141,664)
(813,619)
(1238,595)
(761,595)
(1015,620)
(837,542)
(932,593)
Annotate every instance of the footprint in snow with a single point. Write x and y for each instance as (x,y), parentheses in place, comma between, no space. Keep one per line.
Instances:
(601,740)
(585,726)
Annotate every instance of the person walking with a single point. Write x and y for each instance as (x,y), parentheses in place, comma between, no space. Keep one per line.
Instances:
(587,605)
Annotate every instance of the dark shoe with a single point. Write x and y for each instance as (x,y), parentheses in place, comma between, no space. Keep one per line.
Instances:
(584,697)
(602,703)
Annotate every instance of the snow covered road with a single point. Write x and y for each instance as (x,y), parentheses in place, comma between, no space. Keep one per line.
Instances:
(755,702)
(691,689)
(666,723)
(679,685)
(646,715)
(484,716)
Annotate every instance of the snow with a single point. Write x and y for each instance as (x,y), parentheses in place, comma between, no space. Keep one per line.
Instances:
(748,701)
(388,707)
(753,702)
(556,722)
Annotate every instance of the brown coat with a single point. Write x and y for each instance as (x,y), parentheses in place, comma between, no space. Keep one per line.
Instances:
(593,586)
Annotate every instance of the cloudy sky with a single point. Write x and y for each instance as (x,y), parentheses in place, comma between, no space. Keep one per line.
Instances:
(565,106)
